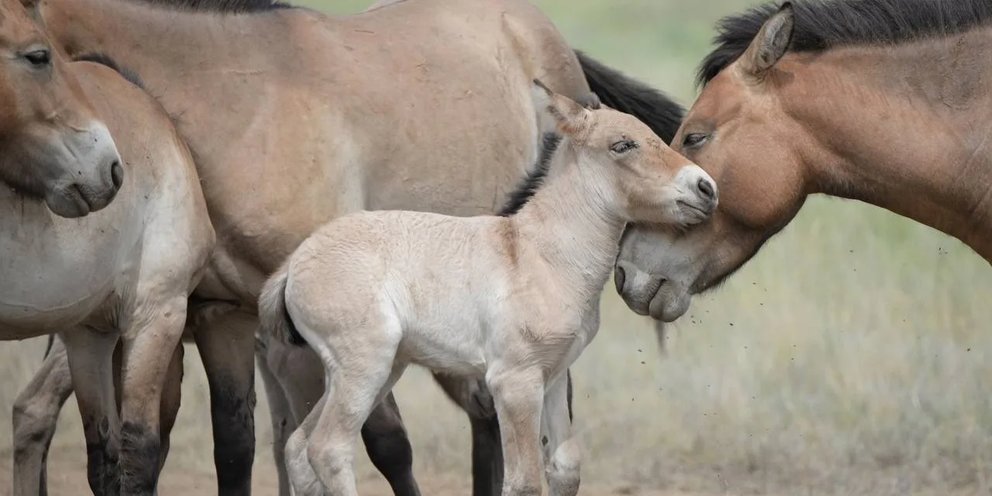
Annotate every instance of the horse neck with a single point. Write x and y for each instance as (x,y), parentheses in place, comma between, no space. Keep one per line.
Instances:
(573,222)
(903,128)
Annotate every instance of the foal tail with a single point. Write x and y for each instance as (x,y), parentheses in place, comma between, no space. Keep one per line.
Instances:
(626,94)
(272,312)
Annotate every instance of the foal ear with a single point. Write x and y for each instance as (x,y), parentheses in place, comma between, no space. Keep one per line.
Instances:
(770,44)
(557,113)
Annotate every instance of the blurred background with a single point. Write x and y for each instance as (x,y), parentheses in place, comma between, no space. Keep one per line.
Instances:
(852,356)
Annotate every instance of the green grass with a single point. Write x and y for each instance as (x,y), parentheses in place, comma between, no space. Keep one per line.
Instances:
(852,356)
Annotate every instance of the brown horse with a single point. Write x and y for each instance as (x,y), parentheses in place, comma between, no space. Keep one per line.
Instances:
(53,147)
(884,101)
(296,118)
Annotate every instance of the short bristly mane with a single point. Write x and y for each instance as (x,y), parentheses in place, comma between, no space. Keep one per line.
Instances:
(534,179)
(825,24)
(228,6)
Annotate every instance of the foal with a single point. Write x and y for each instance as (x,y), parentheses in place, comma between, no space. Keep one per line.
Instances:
(511,299)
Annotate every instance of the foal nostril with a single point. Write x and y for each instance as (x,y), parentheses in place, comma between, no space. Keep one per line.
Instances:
(705,188)
(618,278)
(117,174)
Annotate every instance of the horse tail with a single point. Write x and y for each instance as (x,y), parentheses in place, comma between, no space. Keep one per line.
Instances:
(272,312)
(662,114)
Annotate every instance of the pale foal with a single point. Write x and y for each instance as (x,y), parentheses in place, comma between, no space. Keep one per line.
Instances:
(513,300)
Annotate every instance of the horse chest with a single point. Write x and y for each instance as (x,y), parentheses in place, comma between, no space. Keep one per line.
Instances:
(55,272)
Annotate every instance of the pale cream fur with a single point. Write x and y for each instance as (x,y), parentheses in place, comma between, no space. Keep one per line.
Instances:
(513,300)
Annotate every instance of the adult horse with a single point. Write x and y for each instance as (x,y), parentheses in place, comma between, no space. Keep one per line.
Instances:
(883,101)
(124,272)
(295,118)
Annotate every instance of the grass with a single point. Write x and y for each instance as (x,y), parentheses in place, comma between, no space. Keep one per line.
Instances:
(852,356)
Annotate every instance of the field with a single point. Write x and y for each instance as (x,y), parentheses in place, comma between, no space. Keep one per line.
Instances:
(852,356)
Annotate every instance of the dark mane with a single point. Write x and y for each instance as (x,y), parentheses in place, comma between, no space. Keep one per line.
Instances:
(825,24)
(628,95)
(104,59)
(229,6)
(535,177)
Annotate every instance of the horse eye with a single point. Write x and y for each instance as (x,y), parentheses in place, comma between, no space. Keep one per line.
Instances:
(694,139)
(39,58)
(623,146)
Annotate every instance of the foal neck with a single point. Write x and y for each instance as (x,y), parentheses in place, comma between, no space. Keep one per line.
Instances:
(573,221)
(904,128)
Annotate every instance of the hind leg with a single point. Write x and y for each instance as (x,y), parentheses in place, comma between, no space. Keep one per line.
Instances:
(283,422)
(36,412)
(226,342)
(360,372)
(389,447)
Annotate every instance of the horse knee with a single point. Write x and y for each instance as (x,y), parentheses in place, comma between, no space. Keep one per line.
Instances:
(139,458)
(563,471)
(522,489)
(33,427)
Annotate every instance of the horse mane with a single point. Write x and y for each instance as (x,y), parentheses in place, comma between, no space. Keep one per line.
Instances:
(104,59)
(534,179)
(633,97)
(225,6)
(824,24)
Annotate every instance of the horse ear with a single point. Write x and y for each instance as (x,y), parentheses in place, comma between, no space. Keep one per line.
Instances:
(557,113)
(770,44)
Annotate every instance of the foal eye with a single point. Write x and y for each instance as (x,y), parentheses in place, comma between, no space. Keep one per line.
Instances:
(623,146)
(39,58)
(694,139)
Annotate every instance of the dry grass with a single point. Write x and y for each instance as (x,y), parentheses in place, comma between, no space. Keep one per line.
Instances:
(851,357)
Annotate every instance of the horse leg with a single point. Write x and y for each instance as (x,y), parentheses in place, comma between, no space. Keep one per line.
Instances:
(283,422)
(519,398)
(90,354)
(389,447)
(487,453)
(227,347)
(149,344)
(171,398)
(562,456)
(36,412)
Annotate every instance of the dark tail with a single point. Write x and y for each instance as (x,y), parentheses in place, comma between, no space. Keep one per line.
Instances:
(625,94)
(272,312)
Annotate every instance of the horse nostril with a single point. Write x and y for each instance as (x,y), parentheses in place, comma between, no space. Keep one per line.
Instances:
(706,189)
(117,174)
(618,278)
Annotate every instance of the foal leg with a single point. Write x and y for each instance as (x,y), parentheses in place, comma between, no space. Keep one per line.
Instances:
(36,412)
(91,364)
(299,471)
(226,343)
(296,374)
(562,456)
(519,399)
(361,370)
(487,454)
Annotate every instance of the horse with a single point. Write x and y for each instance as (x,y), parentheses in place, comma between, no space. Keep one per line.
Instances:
(327,141)
(511,299)
(55,148)
(884,101)
(96,271)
